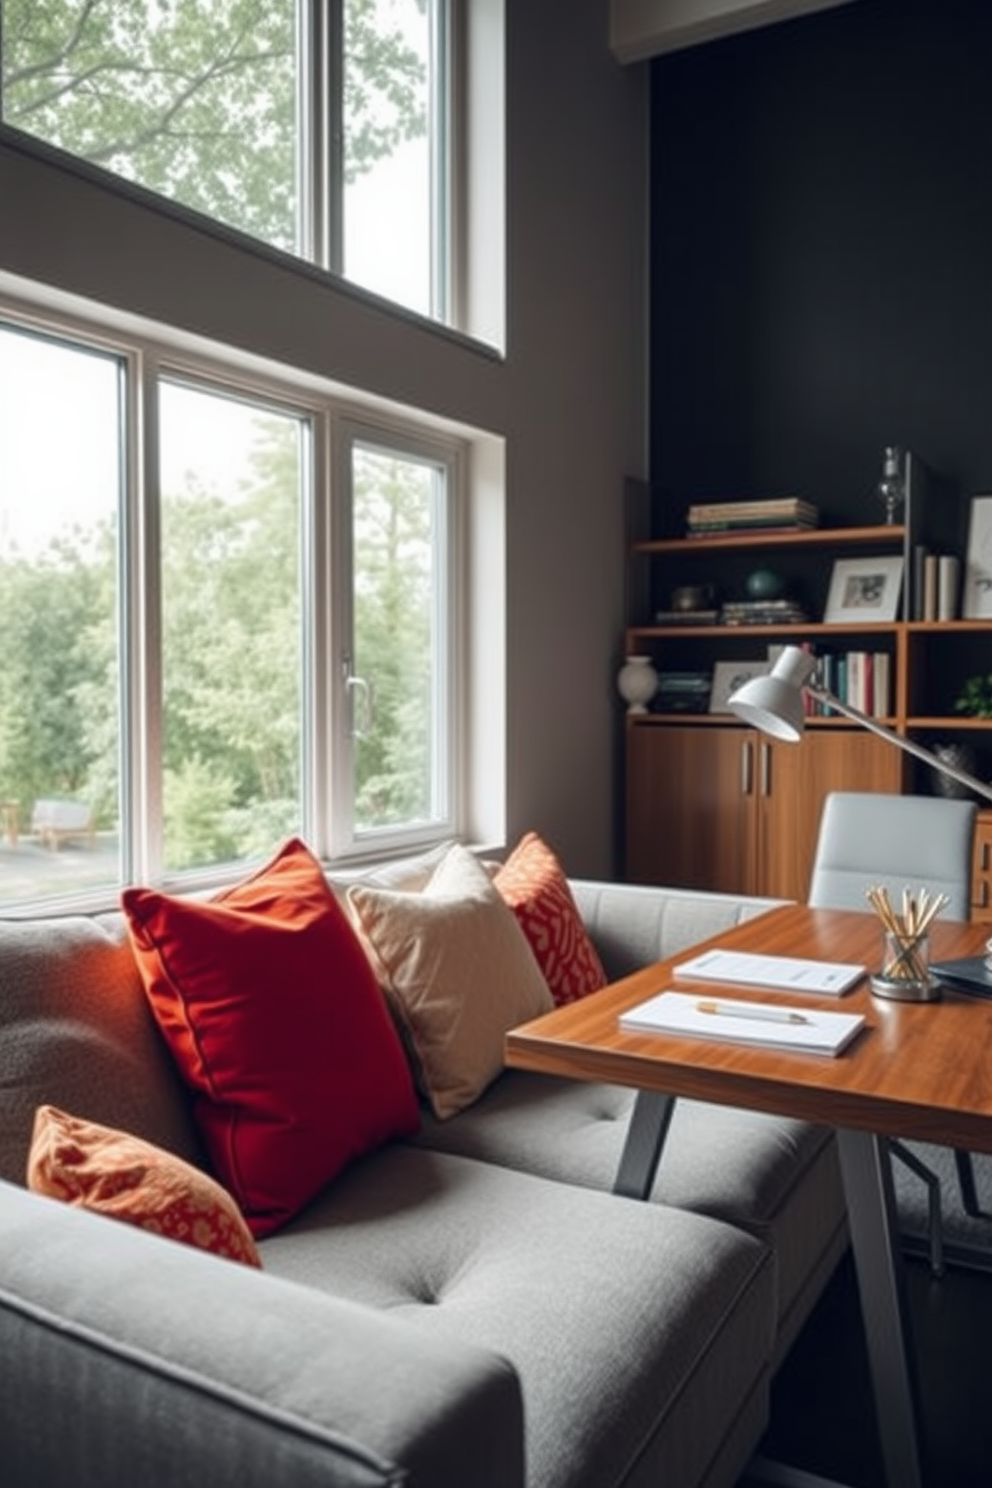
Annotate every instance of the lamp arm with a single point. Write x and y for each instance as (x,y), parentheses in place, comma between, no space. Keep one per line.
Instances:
(909,745)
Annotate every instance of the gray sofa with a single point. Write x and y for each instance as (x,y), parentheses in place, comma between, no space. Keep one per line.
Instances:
(472,1308)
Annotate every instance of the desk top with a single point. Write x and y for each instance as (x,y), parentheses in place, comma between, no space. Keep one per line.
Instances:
(919,1070)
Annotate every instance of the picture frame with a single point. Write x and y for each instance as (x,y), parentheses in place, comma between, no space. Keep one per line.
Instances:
(728,676)
(976,597)
(864,591)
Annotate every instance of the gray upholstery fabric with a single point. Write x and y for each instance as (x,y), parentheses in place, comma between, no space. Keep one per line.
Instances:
(76,1031)
(633,926)
(773,1176)
(899,841)
(639,1333)
(130,1360)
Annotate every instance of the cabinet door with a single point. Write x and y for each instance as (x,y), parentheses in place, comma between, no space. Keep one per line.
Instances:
(792,781)
(690,807)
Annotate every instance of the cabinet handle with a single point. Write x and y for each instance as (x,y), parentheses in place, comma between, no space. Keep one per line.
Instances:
(766,770)
(985,857)
(982,901)
(746,771)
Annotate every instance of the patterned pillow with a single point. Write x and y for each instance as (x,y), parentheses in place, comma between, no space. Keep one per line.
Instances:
(534,885)
(109,1172)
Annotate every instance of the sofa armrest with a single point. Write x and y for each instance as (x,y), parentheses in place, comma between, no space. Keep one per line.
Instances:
(125,1358)
(632,925)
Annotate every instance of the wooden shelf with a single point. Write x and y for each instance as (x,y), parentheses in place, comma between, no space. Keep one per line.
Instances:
(740,632)
(813,537)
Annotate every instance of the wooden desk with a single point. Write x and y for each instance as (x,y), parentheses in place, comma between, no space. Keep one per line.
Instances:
(917,1070)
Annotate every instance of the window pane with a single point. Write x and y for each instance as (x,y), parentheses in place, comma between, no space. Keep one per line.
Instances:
(60,478)
(398,604)
(388,204)
(195,99)
(231,478)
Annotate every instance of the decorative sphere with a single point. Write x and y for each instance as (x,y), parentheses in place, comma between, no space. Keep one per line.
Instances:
(763,584)
(637,683)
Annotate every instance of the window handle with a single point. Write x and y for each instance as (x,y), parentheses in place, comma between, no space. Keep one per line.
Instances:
(362,711)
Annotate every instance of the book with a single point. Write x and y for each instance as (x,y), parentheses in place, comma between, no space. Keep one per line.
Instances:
(930,587)
(778,973)
(808,1031)
(786,507)
(947,587)
(970,974)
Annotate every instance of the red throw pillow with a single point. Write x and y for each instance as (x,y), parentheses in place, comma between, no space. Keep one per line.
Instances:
(273,1014)
(534,885)
(110,1172)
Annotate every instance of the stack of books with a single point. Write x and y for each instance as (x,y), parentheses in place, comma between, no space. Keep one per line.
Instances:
(762,612)
(682,692)
(863,679)
(789,513)
(687,617)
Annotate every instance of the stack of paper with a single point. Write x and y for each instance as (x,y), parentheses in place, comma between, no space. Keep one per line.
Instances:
(807,1030)
(777,973)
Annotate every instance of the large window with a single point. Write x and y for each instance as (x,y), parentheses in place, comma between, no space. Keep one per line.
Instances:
(209,644)
(319,126)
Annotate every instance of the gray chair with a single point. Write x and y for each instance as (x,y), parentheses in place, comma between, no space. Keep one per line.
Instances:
(899,842)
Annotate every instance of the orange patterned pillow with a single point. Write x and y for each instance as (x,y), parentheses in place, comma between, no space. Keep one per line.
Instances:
(109,1172)
(534,885)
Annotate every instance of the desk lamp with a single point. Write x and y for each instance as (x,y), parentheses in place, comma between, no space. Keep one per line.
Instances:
(774,704)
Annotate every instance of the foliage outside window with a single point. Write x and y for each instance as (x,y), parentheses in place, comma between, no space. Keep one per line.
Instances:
(214,747)
(313,125)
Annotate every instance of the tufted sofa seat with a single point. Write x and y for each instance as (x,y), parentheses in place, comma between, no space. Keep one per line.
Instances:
(472,1306)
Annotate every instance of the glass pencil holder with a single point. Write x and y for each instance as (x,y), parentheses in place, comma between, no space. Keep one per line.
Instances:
(905,973)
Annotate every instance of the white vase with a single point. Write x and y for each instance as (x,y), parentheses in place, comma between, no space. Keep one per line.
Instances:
(637,682)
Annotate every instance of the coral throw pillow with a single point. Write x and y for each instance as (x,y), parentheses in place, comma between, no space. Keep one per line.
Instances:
(458,972)
(110,1172)
(273,1014)
(535,887)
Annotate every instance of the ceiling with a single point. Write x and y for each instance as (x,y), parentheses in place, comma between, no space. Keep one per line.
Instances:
(646,28)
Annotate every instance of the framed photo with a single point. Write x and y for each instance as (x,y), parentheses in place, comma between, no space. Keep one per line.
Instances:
(864,590)
(728,676)
(976,602)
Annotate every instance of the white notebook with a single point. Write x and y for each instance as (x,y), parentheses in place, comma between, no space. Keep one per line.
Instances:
(778,973)
(808,1030)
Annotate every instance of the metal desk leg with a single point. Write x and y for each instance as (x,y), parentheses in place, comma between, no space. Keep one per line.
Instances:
(649,1122)
(867,1173)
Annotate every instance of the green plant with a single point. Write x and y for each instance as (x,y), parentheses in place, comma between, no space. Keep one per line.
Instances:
(976,697)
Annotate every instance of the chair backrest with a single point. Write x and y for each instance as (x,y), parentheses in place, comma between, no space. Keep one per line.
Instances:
(900,842)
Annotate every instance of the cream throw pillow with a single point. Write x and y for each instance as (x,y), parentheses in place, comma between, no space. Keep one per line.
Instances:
(458,971)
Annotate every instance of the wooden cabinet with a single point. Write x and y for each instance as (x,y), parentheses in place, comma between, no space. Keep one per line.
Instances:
(725,808)
(710,804)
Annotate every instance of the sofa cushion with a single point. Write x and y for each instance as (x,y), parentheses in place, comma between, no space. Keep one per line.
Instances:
(533,883)
(272,1012)
(141,1362)
(76,1031)
(640,1334)
(110,1172)
(459,972)
(774,1176)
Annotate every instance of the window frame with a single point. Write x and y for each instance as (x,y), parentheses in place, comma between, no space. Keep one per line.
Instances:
(334,420)
(349,431)
(320,155)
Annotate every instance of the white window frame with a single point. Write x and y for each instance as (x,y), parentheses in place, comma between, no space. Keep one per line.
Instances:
(389,438)
(326,774)
(320,133)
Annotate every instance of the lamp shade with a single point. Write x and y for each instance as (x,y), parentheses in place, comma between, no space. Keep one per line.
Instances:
(774,704)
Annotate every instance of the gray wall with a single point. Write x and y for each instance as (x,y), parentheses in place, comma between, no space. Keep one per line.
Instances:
(568,397)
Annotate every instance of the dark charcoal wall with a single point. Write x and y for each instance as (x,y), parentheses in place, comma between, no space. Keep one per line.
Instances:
(822,257)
